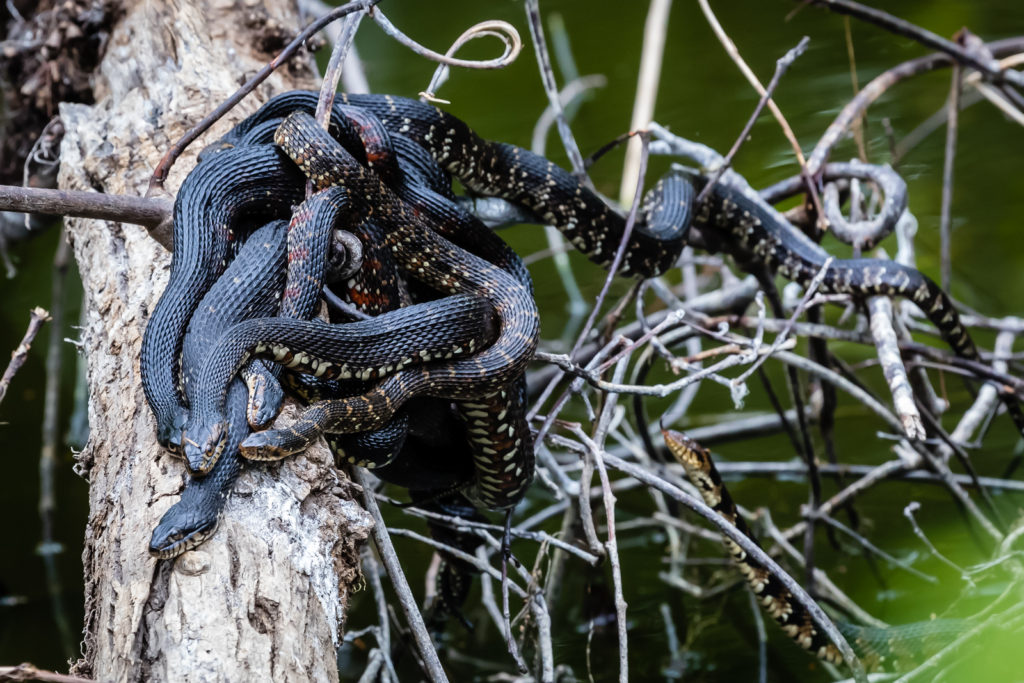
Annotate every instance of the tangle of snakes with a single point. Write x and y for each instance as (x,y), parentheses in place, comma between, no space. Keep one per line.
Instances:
(453,323)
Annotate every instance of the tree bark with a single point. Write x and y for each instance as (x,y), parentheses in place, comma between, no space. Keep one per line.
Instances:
(265,598)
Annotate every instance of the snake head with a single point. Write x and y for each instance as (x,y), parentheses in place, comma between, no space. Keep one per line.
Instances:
(168,432)
(203,447)
(182,528)
(265,399)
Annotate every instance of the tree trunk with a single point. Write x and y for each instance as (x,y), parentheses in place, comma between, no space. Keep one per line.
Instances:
(265,598)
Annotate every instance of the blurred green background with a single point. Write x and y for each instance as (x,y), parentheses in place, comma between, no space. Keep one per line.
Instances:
(703,97)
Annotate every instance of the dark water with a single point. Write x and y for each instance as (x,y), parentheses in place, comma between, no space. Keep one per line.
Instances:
(703,97)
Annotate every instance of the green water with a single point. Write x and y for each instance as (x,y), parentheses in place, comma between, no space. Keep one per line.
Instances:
(703,97)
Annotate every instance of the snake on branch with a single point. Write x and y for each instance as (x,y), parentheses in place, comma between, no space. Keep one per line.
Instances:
(879,648)
(733,220)
(427,257)
(195,516)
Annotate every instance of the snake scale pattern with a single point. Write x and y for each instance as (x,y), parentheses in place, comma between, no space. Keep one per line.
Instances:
(251,286)
(383,170)
(879,648)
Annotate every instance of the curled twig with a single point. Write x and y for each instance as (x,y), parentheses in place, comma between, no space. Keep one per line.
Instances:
(494,28)
(862,234)
(503,30)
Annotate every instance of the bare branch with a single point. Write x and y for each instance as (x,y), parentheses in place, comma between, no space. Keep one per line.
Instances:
(37,317)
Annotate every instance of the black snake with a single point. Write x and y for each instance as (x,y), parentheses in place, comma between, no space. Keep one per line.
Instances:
(252,285)
(362,350)
(733,219)
(213,208)
(429,258)
(877,647)
(247,288)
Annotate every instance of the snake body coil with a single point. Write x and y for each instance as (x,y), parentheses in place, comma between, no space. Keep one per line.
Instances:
(736,220)
(497,169)
(251,286)
(431,259)
(209,216)
(364,350)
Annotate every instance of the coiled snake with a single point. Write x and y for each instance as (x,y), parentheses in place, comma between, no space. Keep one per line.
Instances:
(733,218)
(252,285)
(429,258)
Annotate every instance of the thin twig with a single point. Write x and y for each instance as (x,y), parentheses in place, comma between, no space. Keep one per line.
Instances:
(547,76)
(28,672)
(762,638)
(353,75)
(37,316)
(538,536)
(371,570)
(648,76)
(858,125)
(149,212)
(601,427)
(619,253)
(908,512)
(325,102)
(879,85)
(892,470)
(556,241)
(988,67)
(945,219)
(896,562)
(781,65)
(812,288)
(48,547)
(734,54)
(386,551)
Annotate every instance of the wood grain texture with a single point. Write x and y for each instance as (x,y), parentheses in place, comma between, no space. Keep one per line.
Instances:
(265,598)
